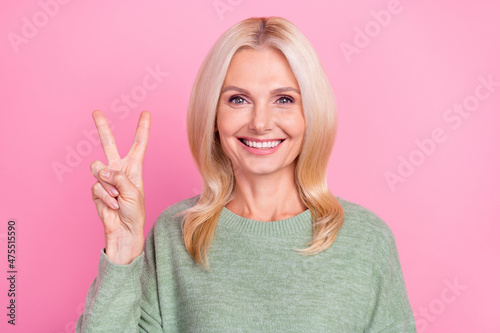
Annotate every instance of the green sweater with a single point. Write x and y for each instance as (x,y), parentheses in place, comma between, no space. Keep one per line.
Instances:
(257,282)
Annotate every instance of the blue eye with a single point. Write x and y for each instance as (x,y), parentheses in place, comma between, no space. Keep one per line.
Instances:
(285,99)
(238,99)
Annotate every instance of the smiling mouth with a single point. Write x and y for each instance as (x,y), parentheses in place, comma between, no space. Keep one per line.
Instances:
(261,145)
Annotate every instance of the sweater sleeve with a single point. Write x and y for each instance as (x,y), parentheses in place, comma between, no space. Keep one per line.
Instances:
(123,298)
(390,308)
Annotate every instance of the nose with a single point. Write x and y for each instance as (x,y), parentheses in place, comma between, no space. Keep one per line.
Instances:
(261,118)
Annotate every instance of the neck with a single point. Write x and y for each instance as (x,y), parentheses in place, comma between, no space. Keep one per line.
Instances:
(270,197)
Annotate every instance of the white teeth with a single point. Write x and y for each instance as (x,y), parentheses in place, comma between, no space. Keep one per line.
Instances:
(266,144)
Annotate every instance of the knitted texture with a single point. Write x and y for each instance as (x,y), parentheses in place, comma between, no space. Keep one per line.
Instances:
(257,282)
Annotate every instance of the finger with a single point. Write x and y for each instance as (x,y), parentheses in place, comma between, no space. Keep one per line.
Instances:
(107,139)
(140,143)
(119,180)
(98,192)
(97,166)
(101,208)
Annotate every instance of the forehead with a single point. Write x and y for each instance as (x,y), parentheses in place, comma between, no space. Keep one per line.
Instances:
(260,67)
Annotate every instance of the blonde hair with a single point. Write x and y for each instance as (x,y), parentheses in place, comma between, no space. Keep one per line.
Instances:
(199,222)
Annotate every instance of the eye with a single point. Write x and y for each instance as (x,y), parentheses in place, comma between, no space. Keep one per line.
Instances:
(285,100)
(237,100)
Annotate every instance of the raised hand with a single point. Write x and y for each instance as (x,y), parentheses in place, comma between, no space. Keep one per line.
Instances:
(119,196)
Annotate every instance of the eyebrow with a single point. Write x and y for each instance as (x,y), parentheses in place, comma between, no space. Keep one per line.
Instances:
(275,91)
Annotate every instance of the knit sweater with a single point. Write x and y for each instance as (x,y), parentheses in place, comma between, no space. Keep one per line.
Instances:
(257,282)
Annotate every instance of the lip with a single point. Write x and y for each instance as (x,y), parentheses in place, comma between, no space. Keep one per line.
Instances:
(257,151)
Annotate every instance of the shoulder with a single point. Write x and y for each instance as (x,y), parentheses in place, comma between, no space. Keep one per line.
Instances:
(168,217)
(179,206)
(363,223)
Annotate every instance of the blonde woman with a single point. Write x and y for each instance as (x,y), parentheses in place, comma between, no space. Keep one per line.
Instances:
(265,246)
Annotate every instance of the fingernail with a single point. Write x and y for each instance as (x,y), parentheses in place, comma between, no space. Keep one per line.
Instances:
(105,174)
(115,205)
(114,191)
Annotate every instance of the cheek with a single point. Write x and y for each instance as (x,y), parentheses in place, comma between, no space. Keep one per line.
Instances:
(227,128)
(230,124)
(294,125)
(225,145)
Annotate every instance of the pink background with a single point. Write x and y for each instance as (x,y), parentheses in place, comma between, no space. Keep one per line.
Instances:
(396,90)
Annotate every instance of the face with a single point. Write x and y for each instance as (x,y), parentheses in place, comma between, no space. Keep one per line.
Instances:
(259,115)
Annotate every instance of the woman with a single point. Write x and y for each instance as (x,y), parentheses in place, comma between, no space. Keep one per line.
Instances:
(261,125)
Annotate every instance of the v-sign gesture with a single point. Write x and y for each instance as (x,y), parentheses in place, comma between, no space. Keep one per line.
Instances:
(119,191)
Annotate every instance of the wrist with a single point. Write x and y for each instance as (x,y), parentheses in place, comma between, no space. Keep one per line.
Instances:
(124,249)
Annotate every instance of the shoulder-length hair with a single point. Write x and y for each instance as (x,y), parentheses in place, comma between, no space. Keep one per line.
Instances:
(199,222)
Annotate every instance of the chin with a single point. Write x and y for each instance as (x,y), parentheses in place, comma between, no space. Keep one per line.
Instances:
(260,171)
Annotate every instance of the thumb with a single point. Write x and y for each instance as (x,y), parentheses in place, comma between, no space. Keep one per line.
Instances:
(119,180)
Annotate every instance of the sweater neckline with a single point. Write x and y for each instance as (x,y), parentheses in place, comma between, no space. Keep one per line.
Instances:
(287,226)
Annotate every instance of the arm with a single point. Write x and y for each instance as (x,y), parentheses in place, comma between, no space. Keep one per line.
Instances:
(115,301)
(112,303)
(123,298)
(390,307)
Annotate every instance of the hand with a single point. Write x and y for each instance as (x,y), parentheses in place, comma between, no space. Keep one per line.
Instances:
(119,198)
